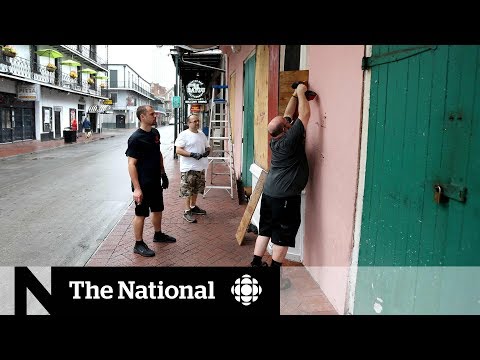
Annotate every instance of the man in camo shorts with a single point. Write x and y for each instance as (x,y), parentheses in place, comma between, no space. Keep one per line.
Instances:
(193,147)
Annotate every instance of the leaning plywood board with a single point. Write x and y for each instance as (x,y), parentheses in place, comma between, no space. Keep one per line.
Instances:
(285,86)
(252,204)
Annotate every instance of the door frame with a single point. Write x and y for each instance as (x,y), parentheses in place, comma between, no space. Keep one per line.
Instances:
(352,278)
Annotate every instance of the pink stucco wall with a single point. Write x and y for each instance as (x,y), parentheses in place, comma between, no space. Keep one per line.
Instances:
(332,146)
(235,64)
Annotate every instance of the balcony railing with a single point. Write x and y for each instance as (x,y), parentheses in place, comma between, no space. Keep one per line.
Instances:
(130,86)
(23,68)
(87,52)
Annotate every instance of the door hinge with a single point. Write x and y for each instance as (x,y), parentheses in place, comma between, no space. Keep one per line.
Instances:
(369,61)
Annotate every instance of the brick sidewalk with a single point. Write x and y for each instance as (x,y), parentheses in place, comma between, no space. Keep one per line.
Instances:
(209,242)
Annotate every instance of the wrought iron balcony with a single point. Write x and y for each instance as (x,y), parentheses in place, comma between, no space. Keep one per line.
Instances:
(22,68)
(83,54)
(130,86)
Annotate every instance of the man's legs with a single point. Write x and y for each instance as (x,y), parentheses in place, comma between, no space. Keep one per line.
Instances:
(194,208)
(193,200)
(140,246)
(265,231)
(198,187)
(187,212)
(187,191)
(138,223)
(157,220)
(261,245)
(157,226)
(279,253)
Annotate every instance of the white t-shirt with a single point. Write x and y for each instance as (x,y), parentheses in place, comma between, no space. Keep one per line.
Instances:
(192,142)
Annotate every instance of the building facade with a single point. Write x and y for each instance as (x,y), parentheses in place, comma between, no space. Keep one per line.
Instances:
(127,90)
(44,88)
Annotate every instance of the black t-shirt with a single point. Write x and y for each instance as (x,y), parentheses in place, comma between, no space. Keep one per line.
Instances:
(145,147)
(289,170)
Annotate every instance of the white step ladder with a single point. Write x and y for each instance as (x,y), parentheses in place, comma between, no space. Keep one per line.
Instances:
(220,140)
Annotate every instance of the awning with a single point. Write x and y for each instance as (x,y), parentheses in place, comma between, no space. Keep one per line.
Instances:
(99,108)
(93,109)
(103,108)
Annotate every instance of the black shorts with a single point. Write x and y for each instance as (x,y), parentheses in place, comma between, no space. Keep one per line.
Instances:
(152,200)
(280,219)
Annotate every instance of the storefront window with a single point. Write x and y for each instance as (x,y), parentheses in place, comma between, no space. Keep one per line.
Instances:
(47,118)
(6,118)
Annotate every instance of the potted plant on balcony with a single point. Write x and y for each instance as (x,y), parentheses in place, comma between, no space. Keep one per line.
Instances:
(51,67)
(90,81)
(73,74)
(9,51)
(103,86)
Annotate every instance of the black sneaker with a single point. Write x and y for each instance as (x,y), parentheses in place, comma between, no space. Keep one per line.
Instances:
(142,249)
(187,215)
(162,237)
(197,211)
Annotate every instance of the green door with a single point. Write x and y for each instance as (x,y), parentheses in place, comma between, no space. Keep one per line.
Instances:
(248,111)
(423,131)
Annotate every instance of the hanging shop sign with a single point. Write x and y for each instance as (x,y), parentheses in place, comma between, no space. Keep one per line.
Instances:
(195,92)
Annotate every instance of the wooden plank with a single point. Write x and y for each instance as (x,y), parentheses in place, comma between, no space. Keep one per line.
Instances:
(273,87)
(252,204)
(260,140)
(285,86)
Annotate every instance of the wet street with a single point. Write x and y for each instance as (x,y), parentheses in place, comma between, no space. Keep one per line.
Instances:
(58,205)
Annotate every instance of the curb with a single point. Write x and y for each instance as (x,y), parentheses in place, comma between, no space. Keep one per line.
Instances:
(56,147)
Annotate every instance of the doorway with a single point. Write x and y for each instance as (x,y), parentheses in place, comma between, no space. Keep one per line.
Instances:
(120,121)
(57,129)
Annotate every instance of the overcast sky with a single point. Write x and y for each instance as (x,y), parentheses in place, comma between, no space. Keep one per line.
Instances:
(151,63)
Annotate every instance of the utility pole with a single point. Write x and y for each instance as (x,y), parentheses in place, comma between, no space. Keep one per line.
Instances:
(176,110)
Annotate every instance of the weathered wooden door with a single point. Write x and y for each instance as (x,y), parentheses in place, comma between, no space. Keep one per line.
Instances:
(248,111)
(423,137)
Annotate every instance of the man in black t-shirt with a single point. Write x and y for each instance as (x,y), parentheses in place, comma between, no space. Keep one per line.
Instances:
(148,179)
(280,206)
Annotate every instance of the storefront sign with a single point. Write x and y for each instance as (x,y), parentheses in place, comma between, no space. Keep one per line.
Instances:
(108,102)
(28,92)
(195,101)
(195,108)
(195,91)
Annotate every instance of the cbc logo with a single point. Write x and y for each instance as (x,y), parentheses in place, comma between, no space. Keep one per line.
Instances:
(246,290)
